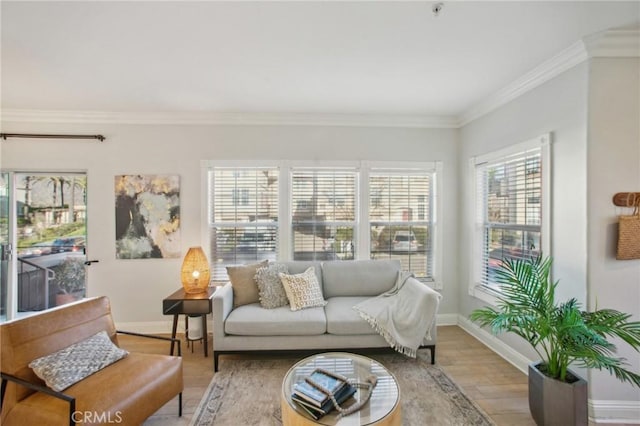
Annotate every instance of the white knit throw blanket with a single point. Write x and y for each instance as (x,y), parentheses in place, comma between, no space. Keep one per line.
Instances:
(403,315)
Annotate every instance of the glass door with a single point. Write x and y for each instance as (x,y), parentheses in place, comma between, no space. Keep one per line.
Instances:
(49,233)
(51,242)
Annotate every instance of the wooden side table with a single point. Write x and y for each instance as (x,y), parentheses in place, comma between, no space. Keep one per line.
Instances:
(181,303)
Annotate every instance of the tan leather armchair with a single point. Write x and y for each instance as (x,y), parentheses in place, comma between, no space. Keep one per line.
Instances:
(125,392)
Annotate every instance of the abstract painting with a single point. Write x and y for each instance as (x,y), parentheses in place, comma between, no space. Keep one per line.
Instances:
(147,216)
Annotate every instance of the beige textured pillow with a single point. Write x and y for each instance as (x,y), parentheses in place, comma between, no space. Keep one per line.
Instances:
(303,290)
(245,289)
(270,289)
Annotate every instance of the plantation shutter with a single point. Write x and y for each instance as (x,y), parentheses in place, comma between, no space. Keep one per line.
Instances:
(323,205)
(509,191)
(243,216)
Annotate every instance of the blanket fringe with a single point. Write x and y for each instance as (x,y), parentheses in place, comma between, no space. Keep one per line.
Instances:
(404,350)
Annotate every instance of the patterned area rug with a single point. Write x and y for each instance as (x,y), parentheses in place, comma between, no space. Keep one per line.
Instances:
(247,392)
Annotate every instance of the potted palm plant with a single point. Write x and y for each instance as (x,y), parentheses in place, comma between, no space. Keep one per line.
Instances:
(562,334)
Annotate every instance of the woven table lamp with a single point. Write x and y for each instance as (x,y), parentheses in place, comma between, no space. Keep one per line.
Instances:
(195,271)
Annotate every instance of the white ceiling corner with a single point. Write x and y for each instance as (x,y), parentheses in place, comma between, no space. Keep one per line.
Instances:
(614,43)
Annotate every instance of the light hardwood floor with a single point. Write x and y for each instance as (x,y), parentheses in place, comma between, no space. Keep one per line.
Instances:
(495,385)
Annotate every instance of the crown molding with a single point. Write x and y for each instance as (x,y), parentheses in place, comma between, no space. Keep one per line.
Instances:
(227,118)
(618,43)
(615,43)
(544,72)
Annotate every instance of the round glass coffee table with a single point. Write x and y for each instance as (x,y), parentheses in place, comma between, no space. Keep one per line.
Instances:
(382,409)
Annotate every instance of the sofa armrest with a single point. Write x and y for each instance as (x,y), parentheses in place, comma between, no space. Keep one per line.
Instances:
(152,336)
(222,307)
(37,387)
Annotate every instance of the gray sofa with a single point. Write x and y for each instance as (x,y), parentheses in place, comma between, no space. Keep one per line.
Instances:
(335,326)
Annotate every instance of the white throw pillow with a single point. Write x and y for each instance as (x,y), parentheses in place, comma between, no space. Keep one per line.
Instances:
(303,290)
(67,366)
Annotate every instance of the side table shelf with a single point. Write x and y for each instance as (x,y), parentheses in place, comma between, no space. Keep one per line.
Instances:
(181,303)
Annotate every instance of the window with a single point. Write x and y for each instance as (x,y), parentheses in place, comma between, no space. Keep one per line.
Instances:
(243,216)
(511,198)
(301,211)
(323,216)
(401,220)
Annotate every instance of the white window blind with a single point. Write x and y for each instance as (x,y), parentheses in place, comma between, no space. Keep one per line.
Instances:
(401,219)
(323,208)
(243,216)
(509,209)
(286,210)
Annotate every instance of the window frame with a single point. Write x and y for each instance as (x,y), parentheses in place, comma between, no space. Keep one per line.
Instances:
(434,169)
(284,249)
(478,289)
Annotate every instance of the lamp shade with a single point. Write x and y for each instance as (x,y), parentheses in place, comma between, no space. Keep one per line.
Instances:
(195,271)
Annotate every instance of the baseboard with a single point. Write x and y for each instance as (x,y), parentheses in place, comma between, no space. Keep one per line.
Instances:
(447,319)
(614,412)
(150,327)
(498,346)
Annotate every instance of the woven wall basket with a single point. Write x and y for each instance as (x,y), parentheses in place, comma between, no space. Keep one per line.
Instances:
(629,237)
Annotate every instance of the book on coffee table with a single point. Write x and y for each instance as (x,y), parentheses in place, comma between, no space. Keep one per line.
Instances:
(316,412)
(315,388)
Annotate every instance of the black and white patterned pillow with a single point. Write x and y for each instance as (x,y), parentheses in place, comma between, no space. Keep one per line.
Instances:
(67,366)
(272,294)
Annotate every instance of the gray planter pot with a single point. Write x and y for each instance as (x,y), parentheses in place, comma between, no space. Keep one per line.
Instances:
(556,403)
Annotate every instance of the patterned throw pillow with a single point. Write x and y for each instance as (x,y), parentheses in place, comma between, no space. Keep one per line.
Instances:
(245,289)
(67,366)
(303,290)
(272,294)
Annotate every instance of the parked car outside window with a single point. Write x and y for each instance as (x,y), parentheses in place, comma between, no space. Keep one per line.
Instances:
(73,244)
(404,241)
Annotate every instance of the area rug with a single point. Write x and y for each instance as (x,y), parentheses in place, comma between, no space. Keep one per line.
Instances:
(247,392)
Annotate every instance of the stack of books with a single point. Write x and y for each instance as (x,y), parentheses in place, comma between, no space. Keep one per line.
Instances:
(312,393)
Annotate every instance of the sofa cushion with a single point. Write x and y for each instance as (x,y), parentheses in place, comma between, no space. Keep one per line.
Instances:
(242,277)
(343,319)
(254,320)
(67,366)
(358,278)
(270,289)
(303,290)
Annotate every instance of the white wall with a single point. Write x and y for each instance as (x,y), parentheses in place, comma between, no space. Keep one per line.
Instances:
(136,287)
(557,106)
(593,112)
(613,165)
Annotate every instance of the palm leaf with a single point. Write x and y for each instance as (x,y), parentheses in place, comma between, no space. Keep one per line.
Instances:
(563,332)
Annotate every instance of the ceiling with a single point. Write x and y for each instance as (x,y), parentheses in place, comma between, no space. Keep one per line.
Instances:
(332,57)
